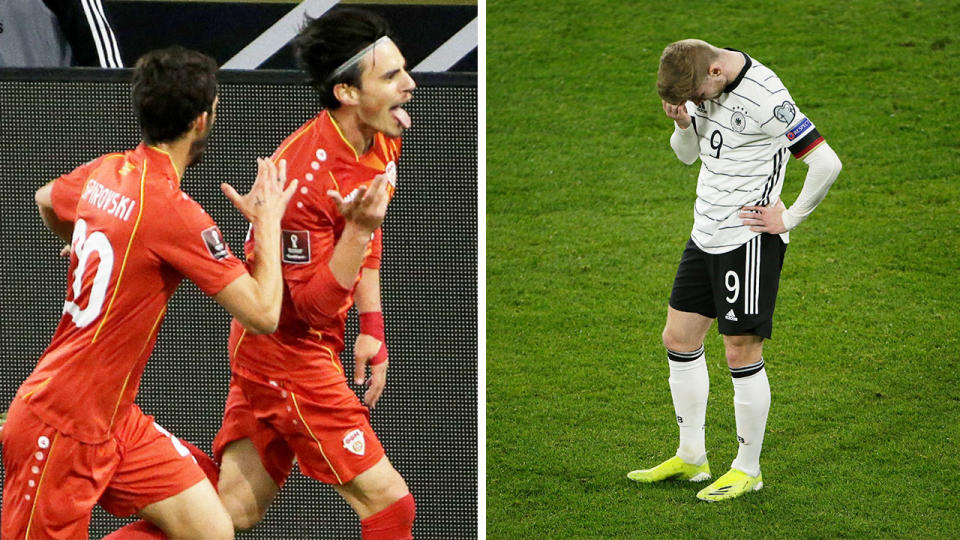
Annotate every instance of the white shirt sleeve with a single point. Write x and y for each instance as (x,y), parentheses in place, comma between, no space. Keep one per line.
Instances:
(824,168)
(685,144)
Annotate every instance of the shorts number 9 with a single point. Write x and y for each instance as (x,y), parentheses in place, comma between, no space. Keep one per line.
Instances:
(732,282)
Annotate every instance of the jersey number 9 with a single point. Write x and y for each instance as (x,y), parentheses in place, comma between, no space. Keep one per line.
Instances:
(716,141)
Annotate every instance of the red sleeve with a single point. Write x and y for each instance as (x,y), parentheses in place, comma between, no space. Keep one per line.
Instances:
(67,189)
(321,299)
(316,294)
(188,239)
(375,251)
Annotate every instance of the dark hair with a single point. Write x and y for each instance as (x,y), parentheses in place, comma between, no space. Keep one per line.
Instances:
(171,88)
(325,43)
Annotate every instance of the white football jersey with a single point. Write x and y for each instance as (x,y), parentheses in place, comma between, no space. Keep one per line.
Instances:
(743,136)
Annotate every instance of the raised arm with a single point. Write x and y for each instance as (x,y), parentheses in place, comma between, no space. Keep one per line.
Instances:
(684,137)
(363,210)
(327,293)
(255,299)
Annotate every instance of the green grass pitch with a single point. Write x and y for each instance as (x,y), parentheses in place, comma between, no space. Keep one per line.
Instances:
(588,211)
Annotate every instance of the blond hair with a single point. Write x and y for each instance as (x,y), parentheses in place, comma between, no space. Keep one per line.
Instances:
(683,67)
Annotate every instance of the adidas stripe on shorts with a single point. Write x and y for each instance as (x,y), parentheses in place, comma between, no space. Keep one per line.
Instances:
(738,288)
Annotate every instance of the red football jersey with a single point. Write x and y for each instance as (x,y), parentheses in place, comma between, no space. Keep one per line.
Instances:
(314,313)
(136,235)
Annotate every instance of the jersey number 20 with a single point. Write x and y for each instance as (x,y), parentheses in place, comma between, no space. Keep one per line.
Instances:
(83,246)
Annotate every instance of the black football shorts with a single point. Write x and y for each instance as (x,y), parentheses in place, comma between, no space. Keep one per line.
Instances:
(738,288)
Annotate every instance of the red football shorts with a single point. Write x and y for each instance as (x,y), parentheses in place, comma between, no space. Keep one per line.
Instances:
(53,481)
(321,422)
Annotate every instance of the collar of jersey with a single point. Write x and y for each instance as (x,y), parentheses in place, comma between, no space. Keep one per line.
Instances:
(746,66)
(343,138)
(169,158)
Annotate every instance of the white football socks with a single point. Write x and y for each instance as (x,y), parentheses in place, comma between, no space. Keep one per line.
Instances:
(689,386)
(751,402)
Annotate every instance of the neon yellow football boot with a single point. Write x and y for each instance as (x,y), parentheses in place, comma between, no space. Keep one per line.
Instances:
(673,468)
(733,484)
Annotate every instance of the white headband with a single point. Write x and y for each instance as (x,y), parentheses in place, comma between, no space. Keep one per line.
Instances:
(356,58)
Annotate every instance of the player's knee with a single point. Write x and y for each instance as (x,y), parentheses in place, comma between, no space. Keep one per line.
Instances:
(244,512)
(739,355)
(668,340)
(386,493)
(245,518)
(214,527)
(372,497)
(674,342)
(246,521)
(734,355)
(397,490)
(222,531)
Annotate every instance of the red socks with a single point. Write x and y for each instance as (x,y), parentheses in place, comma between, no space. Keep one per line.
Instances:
(394,522)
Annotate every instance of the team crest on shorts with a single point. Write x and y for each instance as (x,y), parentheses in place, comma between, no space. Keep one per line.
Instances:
(354,442)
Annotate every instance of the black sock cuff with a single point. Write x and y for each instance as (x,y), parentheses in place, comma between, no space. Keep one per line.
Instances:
(746,371)
(685,356)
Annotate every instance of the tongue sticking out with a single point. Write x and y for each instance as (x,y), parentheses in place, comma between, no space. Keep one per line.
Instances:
(402,117)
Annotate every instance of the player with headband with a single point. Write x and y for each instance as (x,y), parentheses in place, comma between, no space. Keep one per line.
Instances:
(289,396)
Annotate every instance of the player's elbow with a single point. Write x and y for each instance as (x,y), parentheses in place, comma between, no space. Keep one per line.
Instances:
(317,314)
(687,156)
(261,324)
(43,197)
(259,318)
(826,162)
(687,160)
(320,300)
(255,307)
(837,165)
(832,167)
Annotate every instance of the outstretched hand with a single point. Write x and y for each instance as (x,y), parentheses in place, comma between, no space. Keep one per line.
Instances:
(267,199)
(365,207)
